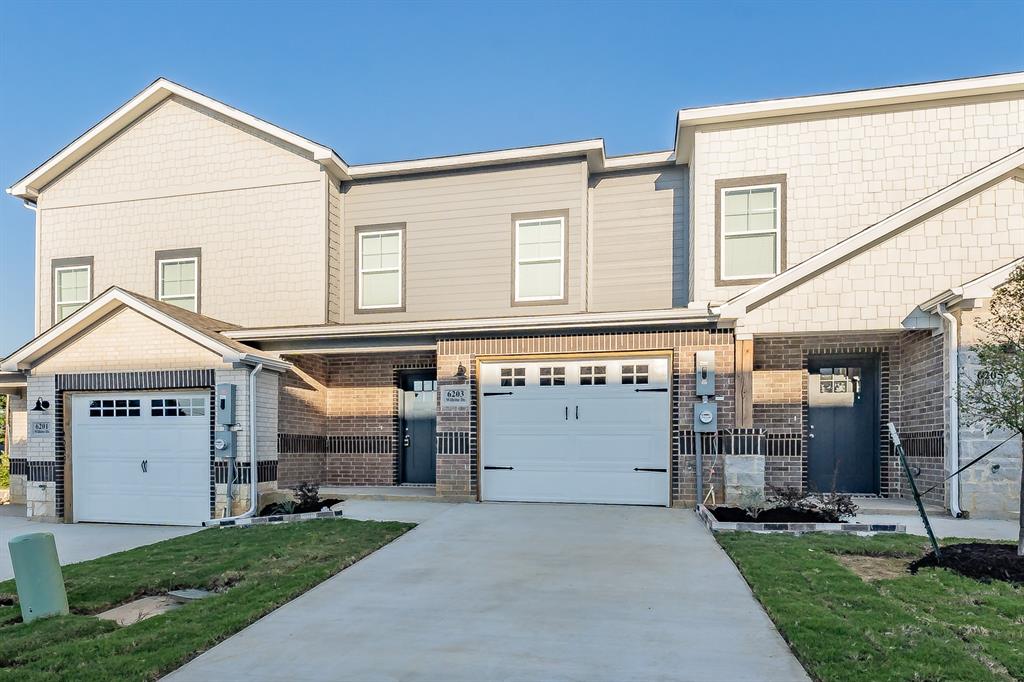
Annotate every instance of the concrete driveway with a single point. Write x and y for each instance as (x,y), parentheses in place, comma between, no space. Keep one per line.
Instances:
(520,592)
(79,541)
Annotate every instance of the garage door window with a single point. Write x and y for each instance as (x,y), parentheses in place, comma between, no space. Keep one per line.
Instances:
(179,407)
(513,376)
(593,375)
(635,374)
(552,376)
(115,408)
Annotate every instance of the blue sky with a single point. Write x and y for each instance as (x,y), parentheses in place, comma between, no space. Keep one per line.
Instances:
(388,81)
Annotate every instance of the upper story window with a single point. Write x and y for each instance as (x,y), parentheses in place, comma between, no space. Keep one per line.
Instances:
(751,229)
(539,268)
(178,278)
(72,286)
(380,261)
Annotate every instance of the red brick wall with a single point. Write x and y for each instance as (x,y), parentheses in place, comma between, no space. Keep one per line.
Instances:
(456,471)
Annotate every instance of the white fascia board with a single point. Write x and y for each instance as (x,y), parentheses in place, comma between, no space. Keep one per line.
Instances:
(978,288)
(577,320)
(29,186)
(881,231)
(840,101)
(588,148)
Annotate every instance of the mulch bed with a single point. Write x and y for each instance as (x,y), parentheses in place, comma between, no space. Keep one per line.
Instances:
(978,560)
(272,510)
(776,515)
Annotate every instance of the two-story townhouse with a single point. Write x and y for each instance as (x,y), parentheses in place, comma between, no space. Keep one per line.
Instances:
(747,309)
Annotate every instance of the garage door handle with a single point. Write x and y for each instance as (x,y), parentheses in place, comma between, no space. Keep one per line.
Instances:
(650,390)
(145,465)
(487,393)
(577,411)
(502,468)
(660,471)
(566,413)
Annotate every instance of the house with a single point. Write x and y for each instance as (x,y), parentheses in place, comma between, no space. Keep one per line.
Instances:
(221,300)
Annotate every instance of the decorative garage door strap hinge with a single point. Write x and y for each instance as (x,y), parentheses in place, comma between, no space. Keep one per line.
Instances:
(503,468)
(650,390)
(487,393)
(660,471)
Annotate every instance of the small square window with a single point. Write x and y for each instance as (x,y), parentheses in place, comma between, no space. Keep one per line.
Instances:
(635,374)
(552,376)
(593,375)
(513,376)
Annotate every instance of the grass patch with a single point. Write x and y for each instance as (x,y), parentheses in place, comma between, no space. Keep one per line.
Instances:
(846,626)
(262,566)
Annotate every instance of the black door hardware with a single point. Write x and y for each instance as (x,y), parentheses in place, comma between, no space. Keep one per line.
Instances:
(650,390)
(577,412)
(660,471)
(503,468)
(487,393)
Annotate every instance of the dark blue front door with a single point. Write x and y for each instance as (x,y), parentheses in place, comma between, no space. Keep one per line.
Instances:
(419,426)
(843,423)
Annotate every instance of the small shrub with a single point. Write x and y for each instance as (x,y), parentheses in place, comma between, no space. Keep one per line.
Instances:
(753,502)
(286,507)
(836,506)
(307,496)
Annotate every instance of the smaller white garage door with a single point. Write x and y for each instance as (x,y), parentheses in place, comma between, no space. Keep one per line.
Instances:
(141,457)
(569,430)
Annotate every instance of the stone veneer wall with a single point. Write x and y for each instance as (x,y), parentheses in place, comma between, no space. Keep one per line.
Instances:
(341,428)
(457,438)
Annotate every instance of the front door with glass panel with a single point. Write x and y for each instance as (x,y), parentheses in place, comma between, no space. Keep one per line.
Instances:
(568,430)
(843,423)
(419,427)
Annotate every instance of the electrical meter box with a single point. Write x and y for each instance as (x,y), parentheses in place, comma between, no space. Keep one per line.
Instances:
(224,444)
(225,403)
(705,372)
(705,417)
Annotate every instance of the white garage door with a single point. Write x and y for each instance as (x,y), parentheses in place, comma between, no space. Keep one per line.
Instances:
(573,430)
(141,457)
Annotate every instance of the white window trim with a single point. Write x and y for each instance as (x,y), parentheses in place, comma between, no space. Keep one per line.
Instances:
(195,284)
(363,271)
(777,231)
(561,261)
(57,303)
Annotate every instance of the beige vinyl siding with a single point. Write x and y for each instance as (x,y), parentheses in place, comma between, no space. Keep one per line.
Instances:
(639,240)
(458,237)
(183,177)
(335,271)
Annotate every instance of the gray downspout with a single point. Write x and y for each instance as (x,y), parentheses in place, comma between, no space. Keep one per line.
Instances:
(253,474)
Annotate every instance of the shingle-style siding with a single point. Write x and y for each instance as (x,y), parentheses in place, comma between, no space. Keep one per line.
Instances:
(459,240)
(845,173)
(182,177)
(128,341)
(638,240)
(882,287)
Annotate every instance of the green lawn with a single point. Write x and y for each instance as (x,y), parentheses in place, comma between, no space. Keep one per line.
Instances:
(893,626)
(266,566)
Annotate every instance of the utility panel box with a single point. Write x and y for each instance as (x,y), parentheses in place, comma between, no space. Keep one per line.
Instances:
(224,444)
(705,417)
(225,403)
(705,372)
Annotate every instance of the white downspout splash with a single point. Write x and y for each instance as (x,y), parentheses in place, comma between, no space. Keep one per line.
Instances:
(253,474)
(952,334)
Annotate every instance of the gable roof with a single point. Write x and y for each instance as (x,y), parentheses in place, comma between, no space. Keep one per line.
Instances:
(688,119)
(158,91)
(204,331)
(979,287)
(1011,165)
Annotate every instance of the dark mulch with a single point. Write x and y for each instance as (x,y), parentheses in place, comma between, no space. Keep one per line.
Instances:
(978,560)
(777,515)
(272,509)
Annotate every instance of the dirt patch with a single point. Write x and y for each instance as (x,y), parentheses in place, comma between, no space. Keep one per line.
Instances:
(776,515)
(871,568)
(8,599)
(978,560)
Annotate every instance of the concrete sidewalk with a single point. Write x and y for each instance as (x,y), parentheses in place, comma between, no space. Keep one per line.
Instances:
(522,592)
(79,541)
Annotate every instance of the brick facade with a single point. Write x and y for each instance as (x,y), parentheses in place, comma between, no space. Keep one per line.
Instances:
(920,416)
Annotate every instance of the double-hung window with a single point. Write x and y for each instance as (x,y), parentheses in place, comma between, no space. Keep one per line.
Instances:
(751,228)
(380,268)
(179,281)
(540,259)
(72,284)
